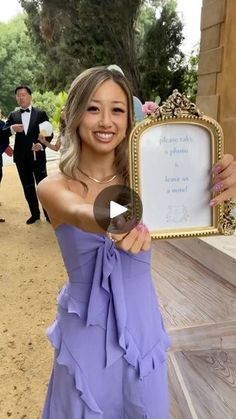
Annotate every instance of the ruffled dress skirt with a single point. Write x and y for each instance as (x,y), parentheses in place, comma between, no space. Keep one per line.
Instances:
(109,339)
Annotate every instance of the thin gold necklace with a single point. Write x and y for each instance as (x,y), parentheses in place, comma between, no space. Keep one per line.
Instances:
(97,180)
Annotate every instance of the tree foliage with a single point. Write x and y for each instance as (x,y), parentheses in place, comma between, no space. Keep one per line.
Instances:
(59,104)
(162,60)
(47,23)
(19,65)
(45,101)
(142,37)
(61,38)
(51,103)
(17,61)
(191,76)
(87,33)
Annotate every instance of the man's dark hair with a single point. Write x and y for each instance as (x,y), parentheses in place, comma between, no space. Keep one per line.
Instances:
(23,87)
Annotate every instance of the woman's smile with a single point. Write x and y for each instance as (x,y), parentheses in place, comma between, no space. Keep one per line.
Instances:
(104,137)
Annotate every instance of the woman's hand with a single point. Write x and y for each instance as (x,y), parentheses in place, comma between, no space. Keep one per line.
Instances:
(42,139)
(138,239)
(37,147)
(224,180)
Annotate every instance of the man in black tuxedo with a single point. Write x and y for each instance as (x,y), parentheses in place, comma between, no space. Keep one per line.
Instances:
(4,143)
(29,154)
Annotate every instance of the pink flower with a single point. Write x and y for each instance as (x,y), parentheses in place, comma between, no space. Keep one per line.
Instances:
(149,107)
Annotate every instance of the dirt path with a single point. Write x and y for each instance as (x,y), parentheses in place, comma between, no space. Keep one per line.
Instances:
(31,274)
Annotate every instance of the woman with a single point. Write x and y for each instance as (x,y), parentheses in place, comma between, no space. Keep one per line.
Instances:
(110,342)
(60,139)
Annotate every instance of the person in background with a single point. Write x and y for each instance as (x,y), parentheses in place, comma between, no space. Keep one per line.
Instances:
(4,144)
(109,338)
(29,154)
(61,136)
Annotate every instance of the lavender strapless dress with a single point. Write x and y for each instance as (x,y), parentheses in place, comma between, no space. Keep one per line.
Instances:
(109,339)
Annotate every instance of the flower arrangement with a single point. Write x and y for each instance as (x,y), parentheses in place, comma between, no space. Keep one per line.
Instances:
(149,108)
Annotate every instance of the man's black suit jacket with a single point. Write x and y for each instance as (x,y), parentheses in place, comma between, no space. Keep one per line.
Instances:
(4,140)
(24,142)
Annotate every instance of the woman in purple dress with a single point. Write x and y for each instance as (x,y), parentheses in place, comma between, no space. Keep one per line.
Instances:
(109,339)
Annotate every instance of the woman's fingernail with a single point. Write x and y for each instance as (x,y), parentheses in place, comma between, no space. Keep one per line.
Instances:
(218,187)
(217,169)
(213,203)
(140,227)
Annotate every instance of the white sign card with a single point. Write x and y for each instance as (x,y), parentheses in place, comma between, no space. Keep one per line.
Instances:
(175,167)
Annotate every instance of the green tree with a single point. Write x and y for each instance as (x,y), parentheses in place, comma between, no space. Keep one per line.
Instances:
(87,33)
(51,103)
(59,104)
(145,19)
(17,61)
(76,34)
(191,76)
(46,101)
(162,62)
(49,26)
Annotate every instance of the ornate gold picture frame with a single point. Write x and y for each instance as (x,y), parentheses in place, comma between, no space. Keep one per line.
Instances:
(172,152)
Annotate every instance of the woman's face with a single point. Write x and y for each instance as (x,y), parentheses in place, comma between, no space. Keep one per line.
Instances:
(104,123)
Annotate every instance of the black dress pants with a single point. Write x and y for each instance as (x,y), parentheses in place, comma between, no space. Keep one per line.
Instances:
(31,172)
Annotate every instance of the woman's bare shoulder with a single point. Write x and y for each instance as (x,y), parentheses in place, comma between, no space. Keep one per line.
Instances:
(61,197)
(58,184)
(53,180)
(52,184)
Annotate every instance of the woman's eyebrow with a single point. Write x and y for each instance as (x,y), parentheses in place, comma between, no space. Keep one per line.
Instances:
(113,101)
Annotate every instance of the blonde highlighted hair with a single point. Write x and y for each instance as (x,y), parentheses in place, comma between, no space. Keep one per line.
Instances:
(80,93)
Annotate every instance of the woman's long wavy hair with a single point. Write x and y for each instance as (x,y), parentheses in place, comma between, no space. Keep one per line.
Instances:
(80,93)
(62,123)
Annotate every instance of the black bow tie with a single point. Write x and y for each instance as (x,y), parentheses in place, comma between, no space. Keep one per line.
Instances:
(24,110)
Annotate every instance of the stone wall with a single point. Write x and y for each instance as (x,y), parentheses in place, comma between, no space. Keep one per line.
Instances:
(216,95)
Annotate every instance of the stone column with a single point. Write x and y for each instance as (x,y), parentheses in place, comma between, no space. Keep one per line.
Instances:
(216,94)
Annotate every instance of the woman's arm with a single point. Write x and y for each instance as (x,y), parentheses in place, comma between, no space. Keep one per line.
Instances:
(65,206)
(54,147)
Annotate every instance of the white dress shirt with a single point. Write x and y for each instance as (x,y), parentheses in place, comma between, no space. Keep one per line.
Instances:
(25,117)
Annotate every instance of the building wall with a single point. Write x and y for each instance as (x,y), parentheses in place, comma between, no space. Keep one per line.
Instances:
(216,95)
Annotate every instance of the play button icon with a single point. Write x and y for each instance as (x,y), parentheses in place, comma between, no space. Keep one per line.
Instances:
(118,209)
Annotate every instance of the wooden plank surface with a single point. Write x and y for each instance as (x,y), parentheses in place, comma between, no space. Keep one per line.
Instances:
(199,309)
(189,293)
(215,336)
(210,377)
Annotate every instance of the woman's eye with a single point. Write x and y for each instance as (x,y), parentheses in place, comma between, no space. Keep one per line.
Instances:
(92,109)
(119,110)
